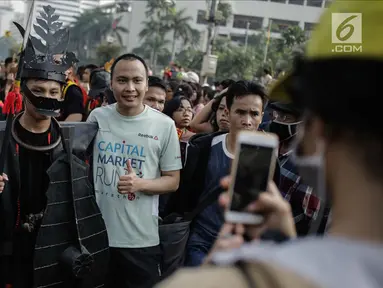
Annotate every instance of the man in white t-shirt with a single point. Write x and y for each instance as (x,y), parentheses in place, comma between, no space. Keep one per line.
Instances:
(136,158)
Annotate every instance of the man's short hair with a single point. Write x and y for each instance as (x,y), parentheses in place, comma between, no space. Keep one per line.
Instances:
(91,67)
(243,88)
(226,83)
(130,57)
(157,82)
(8,61)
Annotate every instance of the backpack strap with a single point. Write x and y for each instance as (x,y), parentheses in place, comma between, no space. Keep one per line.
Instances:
(69,83)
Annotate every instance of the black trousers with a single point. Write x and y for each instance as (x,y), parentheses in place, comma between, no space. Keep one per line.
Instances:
(134,267)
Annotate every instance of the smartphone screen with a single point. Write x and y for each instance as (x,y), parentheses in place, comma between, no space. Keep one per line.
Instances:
(251,176)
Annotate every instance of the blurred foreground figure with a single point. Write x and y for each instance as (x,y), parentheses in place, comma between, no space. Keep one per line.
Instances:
(337,154)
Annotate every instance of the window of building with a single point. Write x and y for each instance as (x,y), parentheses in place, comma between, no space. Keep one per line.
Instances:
(240,21)
(297,2)
(278,1)
(279,25)
(202,18)
(237,38)
(315,3)
(309,26)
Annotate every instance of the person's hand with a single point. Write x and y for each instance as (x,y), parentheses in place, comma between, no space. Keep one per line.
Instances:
(277,216)
(275,209)
(11,77)
(3,179)
(230,237)
(129,183)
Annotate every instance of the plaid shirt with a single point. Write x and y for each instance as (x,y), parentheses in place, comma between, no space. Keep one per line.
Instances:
(304,204)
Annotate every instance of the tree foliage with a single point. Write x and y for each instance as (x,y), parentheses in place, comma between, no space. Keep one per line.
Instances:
(92,28)
(107,51)
(165,22)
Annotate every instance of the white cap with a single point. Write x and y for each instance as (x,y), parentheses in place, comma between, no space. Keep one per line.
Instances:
(192,77)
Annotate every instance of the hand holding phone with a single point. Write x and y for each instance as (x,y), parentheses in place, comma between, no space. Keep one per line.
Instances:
(253,167)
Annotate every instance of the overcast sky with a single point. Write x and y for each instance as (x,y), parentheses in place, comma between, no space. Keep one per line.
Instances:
(19,5)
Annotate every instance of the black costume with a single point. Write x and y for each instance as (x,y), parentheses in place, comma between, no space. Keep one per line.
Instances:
(51,230)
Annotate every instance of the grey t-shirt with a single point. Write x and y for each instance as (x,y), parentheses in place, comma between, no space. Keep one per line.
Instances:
(150,140)
(330,261)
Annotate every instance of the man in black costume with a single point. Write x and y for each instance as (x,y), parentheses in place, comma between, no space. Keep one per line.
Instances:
(51,231)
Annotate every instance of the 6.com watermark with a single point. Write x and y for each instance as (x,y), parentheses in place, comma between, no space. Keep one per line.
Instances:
(346,32)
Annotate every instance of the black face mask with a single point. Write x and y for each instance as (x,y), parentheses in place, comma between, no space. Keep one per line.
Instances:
(44,106)
(284,130)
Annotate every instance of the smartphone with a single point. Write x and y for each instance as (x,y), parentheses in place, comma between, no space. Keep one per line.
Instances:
(253,167)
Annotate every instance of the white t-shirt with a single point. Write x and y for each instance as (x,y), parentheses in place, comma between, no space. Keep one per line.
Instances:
(150,140)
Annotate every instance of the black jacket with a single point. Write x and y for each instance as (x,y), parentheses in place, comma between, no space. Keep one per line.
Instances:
(58,228)
(192,183)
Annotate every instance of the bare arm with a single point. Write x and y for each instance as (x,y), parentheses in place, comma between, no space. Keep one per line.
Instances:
(200,123)
(77,117)
(168,182)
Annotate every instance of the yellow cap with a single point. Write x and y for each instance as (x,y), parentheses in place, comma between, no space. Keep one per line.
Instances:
(278,90)
(347,29)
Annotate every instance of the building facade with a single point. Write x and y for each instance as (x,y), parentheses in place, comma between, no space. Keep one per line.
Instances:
(67,9)
(6,15)
(249,16)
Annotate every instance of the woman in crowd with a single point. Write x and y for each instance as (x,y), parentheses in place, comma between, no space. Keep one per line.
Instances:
(172,87)
(207,94)
(181,111)
(197,98)
(183,89)
(213,117)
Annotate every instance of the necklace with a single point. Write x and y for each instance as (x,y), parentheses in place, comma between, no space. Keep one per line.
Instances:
(31,147)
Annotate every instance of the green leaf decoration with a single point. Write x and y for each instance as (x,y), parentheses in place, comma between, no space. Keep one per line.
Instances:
(57,25)
(49,10)
(55,18)
(42,23)
(56,39)
(44,16)
(38,45)
(40,31)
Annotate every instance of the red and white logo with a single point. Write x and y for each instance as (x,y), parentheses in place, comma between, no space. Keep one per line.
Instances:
(155,138)
(131,196)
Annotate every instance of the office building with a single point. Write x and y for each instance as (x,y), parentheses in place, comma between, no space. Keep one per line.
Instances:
(67,9)
(254,15)
(6,15)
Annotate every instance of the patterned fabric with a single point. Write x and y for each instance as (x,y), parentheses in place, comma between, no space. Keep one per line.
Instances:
(179,133)
(304,203)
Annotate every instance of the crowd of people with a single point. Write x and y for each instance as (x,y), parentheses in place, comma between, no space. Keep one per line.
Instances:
(113,177)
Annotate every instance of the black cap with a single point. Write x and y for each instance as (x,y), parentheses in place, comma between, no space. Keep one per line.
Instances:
(99,82)
(157,82)
(286,108)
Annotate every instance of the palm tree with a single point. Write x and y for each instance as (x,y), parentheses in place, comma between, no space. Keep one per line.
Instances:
(92,27)
(159,7)
(152,31)
(224,11)
(179,24)
(154,47)
(152,27)
(117,30)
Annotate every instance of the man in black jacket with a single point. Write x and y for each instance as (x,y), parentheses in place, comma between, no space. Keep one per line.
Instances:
(51,230)
(208,159)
